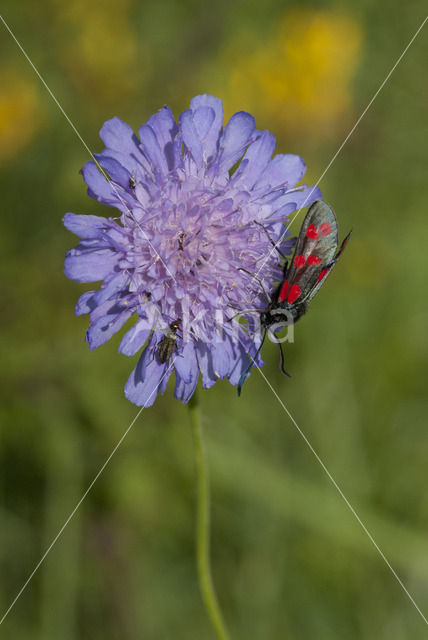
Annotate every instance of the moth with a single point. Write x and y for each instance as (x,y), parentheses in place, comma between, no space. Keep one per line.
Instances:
(314,257)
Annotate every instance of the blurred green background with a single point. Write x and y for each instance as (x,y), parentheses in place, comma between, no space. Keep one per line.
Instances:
(290,561)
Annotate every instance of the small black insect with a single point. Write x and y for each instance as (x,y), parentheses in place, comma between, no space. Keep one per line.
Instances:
(167,345)
(181,239)
(314,258)
(132,182)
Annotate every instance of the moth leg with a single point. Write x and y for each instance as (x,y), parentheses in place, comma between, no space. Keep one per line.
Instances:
(281,362)
(274,244)
(265,291)
(285,270)
(239,313)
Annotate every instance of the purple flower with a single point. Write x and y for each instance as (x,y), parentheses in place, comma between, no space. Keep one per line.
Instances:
(189,194)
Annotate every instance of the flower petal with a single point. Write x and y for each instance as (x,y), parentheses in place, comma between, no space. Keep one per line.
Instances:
(105,327)
(258,156)
(236,137)
(115,170)
(300,198)
(152,150)
(203,119)
(136,164)
(136,337)
(283,168)
(143,384)
(186,364)
(190,137)
(112,287)
(220,360)
(89,266)
(242,360)
(211,136)
(184,390)
(99,187)
(85,303)
(119,136)
(281,213)
(87,227)
(205,362)
(165,128)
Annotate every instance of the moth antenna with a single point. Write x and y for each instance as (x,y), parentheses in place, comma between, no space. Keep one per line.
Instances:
(252,360)
(265,291)
(342,246)
(274,244)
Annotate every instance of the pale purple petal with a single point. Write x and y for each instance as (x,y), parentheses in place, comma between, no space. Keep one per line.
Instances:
(190,137)
(136,337)
(258,156)
(99,187)
(205,362)
(115,170)
(104,328)
(283,168)
(143,384)
(300,198)
(166,130)
(111,287)
(184,390)
(88,227)
(211,135)
(220,359)
(119,136)
(85,303)
(89,266)
(186,364)
(236,136)
(152,150)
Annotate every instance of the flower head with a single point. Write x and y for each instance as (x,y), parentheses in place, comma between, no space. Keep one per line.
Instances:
(190,195)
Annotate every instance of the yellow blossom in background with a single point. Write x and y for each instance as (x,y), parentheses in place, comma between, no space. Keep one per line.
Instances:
(20,113)
(100,51)
(299,78)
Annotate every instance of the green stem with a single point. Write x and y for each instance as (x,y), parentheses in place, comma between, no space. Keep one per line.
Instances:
(203,525)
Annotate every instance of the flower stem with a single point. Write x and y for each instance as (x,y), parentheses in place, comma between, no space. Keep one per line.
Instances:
(203,525)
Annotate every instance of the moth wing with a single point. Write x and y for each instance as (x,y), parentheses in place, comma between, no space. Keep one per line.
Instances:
(315,248)
(325,271)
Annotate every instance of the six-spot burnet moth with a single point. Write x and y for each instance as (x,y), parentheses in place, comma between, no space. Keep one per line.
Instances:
(314,258)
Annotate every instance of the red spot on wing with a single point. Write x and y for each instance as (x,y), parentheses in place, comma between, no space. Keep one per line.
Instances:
(295,292)
(323,274)
(325,228)
(299,261)
(284,291)
(312,232)
(314,260)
